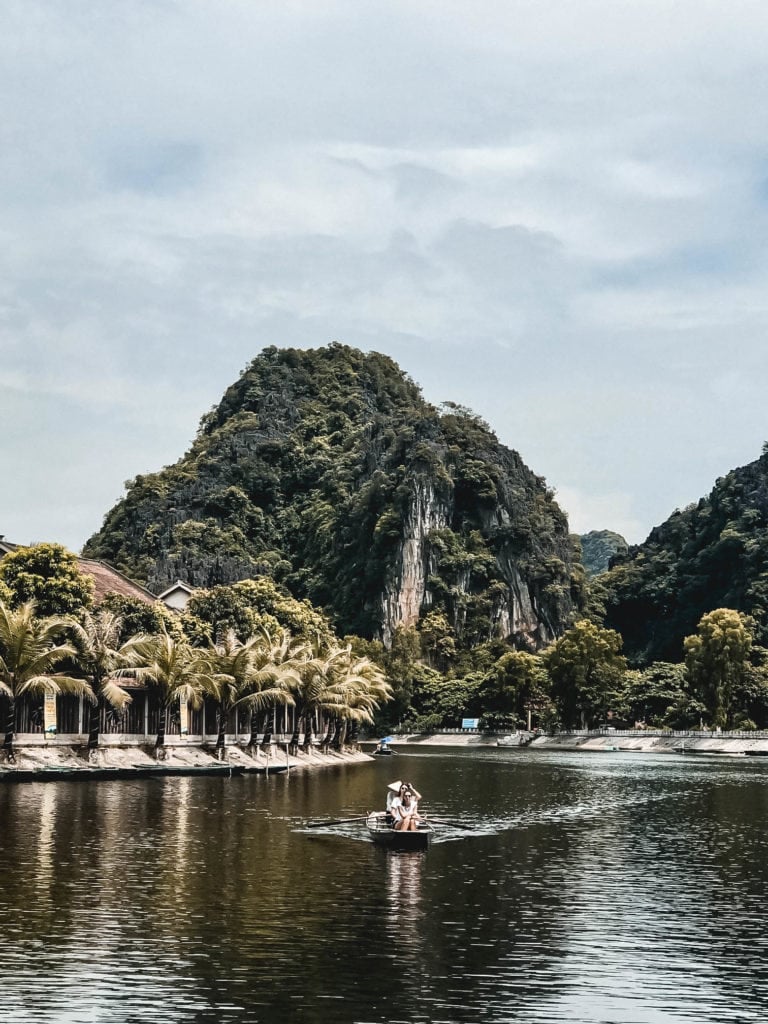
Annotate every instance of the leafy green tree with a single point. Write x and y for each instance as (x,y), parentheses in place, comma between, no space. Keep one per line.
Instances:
(401,663)
(98,655)
(516,689)
(442,702)
(750,697)
(655,693)
(717,659)
(47,574)
(30,649)
(248,606)
(438,639)
(587,670)
(137,617)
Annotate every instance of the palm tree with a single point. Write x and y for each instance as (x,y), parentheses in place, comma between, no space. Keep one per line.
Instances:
(278,657)
(357,688)
(98,656)
(173,669)
(245,674)
(319,689)
(29,650)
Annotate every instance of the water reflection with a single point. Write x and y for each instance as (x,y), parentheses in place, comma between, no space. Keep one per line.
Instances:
(612,889)
(403,879)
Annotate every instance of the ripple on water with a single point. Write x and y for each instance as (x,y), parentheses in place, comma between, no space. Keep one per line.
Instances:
(612,889)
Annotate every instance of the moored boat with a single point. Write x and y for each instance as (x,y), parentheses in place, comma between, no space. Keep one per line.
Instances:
(513,739)
(384,834)
(384,749)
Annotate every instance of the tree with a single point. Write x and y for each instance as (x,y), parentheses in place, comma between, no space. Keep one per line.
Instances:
(49,575)
(138,617)
(717,659)
(438,701)
(277,657)
(248,606)
(173,670)
(586,669)
(243,674)
(98,656)
(30,648)
(438,639)
(359,687)
(517,687)
(656,694)
(311,690)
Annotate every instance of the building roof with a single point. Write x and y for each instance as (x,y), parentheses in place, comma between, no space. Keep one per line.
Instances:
(178,585)
(109,581)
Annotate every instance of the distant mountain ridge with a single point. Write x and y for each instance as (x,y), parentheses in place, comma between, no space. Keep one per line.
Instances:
(598,547)
(327,470)
(712,554)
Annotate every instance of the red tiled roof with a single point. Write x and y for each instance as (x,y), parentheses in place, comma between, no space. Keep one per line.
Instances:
(109,581)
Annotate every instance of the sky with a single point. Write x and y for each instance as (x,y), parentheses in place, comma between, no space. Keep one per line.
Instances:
(553,212)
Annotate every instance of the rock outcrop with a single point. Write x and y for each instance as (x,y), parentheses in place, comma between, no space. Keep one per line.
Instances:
(328,471)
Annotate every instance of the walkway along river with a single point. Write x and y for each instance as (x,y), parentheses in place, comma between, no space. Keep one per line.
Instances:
(614,888)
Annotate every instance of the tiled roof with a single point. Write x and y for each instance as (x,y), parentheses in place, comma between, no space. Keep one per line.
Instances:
(110,581)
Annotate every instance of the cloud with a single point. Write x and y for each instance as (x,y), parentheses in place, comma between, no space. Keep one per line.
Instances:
(557,220)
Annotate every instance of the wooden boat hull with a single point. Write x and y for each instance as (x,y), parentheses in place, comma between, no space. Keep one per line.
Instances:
(386,836)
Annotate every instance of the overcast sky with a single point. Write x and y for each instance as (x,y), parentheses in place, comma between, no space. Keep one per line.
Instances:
(553,212)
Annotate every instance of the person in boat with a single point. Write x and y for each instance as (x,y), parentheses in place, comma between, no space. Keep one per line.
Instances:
(393,793)
(405,809)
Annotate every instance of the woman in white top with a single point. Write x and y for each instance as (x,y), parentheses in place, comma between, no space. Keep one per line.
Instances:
(405,809)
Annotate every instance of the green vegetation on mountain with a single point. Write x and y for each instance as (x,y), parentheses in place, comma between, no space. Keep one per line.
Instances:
(713,554)
(326,471)
(598,547)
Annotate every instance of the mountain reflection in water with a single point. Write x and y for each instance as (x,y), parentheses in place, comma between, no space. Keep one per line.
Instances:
(614,887)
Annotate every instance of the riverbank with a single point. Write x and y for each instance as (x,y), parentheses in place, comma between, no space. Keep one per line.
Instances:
(734,744)
(45,762)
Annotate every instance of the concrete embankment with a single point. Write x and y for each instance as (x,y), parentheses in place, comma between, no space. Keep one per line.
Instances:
(734,744)
(656,743)
(38,762)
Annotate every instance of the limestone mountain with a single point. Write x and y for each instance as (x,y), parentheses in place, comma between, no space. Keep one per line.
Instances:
(327,470)
(598,548)
(709,555)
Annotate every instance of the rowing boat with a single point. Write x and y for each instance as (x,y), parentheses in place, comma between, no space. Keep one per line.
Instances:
(384,834)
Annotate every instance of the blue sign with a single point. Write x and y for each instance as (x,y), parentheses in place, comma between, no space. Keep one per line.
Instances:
(470,723)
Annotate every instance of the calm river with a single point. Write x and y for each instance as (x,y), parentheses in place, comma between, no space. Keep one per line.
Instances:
(605,887)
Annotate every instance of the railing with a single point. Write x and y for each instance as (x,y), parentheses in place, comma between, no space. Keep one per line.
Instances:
(706,734)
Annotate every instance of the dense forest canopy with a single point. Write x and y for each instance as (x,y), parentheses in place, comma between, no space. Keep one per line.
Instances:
(712,554)
(328,472)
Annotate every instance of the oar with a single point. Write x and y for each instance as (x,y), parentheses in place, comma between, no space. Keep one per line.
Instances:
(336,821)
(445,821)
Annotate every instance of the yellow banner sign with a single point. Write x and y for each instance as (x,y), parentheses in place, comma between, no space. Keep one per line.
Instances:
(49,714)
(183,717)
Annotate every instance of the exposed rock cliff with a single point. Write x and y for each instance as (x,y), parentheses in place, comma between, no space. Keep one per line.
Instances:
(327,470)
(598,547)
